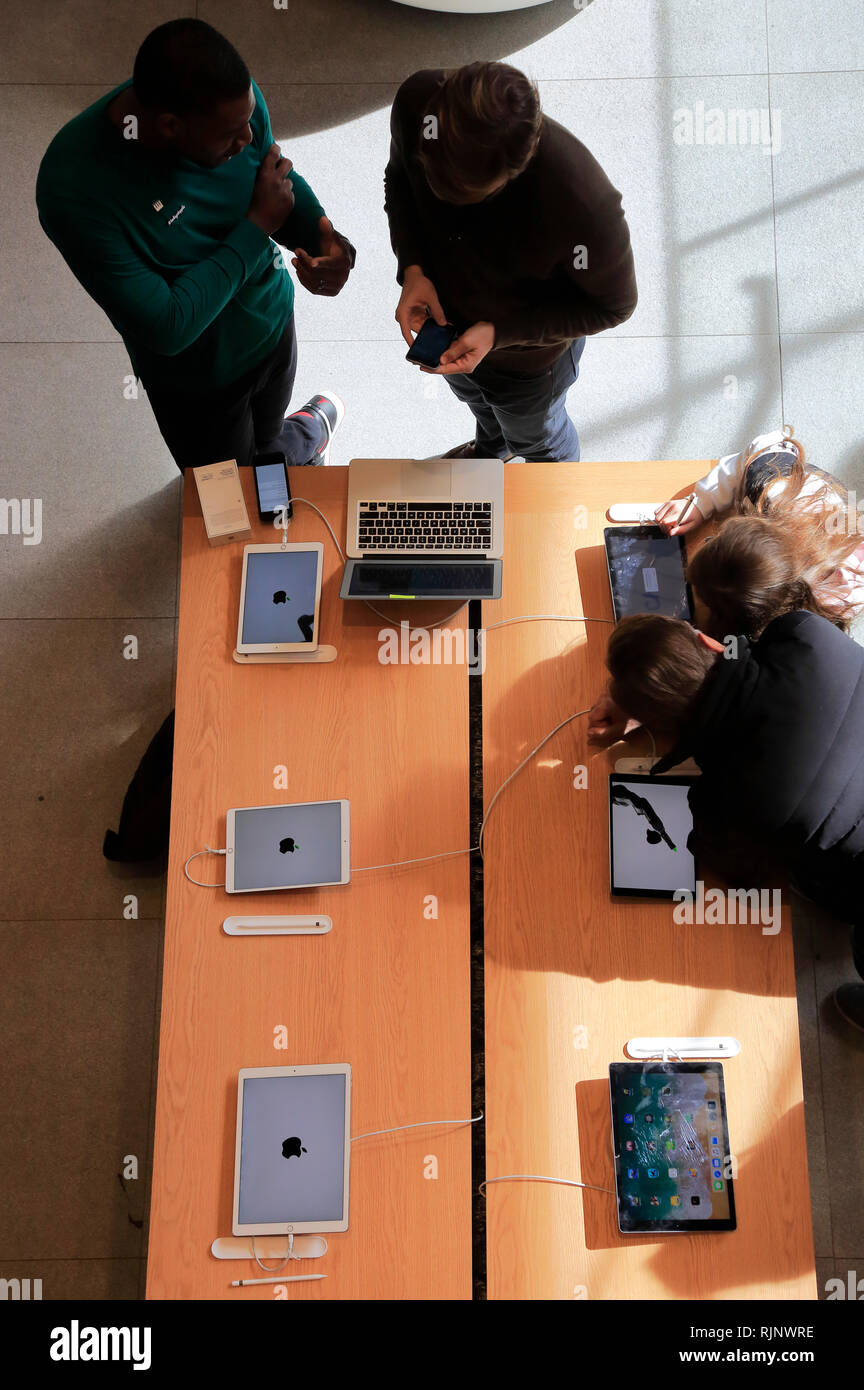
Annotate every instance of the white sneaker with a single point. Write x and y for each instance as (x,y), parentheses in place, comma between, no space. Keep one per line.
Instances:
(330,409)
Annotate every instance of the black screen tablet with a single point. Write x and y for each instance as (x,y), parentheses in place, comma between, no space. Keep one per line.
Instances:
(673,1166)
(649,823)
(647,572)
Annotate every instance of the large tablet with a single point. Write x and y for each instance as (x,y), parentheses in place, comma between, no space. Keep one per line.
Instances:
(302,846)
(292,1152)
(280,596)
(649,824)
(647,572)
(673,1166)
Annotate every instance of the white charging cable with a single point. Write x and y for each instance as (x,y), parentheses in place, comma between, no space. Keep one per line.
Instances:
(570,1182)
(364,869)
(388,617)
(419,1124)
(540,1177)
(517,770)
(548,618)
(653,744)
(425,858)
(197,881)
(455,853)
(285,518)
(270,1269)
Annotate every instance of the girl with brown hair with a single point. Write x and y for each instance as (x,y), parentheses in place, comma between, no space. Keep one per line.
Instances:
(791,542)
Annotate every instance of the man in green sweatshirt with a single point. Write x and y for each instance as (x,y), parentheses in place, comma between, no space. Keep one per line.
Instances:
(162,197)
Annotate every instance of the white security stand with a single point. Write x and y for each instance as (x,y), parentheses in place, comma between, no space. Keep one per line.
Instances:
(682,1049)
(277,926)
(634,513)
(286,658)
(268,1248)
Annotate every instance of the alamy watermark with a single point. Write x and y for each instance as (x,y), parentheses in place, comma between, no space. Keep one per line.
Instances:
(21,516)
(728,907)
(847,520)
(20,1290)
(437,646)
(77,1343)
(852,1288)
(694,125)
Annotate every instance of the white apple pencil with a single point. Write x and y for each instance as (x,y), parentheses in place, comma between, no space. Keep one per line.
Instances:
(277,1279)
(690,500)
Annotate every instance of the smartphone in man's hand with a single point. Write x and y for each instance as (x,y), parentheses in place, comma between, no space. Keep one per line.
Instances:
(432,340)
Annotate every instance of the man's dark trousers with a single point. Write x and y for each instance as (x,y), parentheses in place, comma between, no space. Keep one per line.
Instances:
(522,414)
(241,419)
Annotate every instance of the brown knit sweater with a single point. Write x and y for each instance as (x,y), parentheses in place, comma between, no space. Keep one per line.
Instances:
(512,260)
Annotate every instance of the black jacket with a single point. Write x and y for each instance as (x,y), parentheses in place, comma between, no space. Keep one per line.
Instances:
(512,260)
(778,733)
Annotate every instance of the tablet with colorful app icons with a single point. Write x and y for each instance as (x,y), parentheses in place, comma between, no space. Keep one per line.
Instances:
(673,1165)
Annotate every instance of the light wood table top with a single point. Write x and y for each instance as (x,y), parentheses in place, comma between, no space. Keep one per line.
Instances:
(571,973)
(386,990)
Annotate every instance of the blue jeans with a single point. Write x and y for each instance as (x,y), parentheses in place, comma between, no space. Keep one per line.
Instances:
(524,415)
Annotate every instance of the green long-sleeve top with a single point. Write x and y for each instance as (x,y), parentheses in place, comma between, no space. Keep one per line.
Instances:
(198,293)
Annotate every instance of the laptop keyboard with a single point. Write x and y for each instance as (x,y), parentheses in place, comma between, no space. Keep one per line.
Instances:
(425,526)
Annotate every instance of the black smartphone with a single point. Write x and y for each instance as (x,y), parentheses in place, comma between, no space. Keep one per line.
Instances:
(432,340)
(272,487)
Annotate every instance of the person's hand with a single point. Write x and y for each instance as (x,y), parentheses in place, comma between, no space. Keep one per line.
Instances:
(418,301)
(466,351)
(273,195)
(668,515)
(606,722)
(327,272)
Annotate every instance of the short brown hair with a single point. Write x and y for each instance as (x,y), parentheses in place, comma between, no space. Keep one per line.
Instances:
(755,569)
(487,121)
(658,666)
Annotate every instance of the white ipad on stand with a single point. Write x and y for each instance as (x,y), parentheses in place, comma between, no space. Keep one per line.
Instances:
(306,845)
(293,1150)
(280,603)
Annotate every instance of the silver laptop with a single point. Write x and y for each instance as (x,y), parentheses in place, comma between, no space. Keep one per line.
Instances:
(424,528)
(434,507)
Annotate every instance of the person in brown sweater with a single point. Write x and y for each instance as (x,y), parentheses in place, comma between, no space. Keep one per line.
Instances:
(504,225)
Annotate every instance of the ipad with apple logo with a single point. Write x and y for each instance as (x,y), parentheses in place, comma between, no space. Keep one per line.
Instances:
(304,845)
(280,598)
(292,1151)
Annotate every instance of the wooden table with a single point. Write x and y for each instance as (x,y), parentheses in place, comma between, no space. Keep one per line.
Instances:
(571,974)
(386,990)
